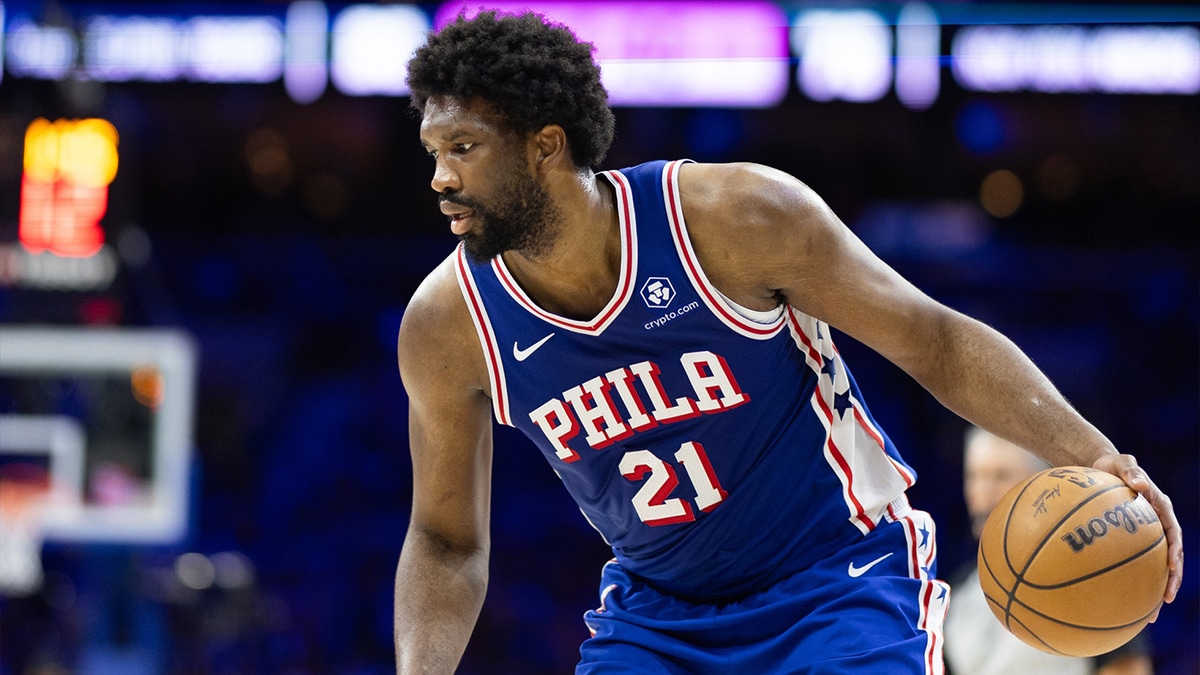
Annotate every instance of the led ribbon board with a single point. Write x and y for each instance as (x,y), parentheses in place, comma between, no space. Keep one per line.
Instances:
(731,54)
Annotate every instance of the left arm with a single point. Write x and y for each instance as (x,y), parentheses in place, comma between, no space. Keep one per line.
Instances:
(800,252)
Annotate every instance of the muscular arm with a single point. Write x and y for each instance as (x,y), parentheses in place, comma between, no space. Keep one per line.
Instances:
(441,579)
(764,237)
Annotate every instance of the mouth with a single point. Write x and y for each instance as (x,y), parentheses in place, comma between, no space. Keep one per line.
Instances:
(459,216)
(460,221)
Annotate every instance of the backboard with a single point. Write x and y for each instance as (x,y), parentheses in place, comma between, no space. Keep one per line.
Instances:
(108,414)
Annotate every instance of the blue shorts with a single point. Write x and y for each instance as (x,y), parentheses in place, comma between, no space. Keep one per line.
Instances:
(875,607)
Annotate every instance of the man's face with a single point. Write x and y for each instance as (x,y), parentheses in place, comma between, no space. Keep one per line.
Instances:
(486,182)
(991,468)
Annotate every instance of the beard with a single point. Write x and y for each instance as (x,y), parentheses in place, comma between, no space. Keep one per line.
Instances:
(522,218)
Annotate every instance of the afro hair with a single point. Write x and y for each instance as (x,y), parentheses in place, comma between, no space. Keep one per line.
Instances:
(532,72)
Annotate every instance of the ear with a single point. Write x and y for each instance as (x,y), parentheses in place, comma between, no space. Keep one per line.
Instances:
(549,149)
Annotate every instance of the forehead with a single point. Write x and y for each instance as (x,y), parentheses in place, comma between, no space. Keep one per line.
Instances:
(448,119)
(989,453)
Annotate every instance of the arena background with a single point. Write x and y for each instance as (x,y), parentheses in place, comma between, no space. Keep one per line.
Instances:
(282,227)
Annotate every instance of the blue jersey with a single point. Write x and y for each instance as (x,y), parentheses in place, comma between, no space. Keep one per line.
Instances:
(716,449)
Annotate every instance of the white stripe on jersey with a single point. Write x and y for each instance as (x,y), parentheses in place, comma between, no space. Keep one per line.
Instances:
(854,448)
(687,255)
(934,597)
(487,336)
(625,279)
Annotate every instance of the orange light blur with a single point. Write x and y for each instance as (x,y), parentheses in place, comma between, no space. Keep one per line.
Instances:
(147,386)
(69,165)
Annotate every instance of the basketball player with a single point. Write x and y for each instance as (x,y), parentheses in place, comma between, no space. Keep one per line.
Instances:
(664,334)
(978,644)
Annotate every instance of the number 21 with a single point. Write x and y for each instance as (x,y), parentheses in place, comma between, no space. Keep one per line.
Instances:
(652,501)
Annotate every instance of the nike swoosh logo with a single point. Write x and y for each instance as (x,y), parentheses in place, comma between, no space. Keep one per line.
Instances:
(859,571)
(522,354)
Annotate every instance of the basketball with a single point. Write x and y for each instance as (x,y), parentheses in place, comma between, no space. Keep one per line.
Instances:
(1073,562)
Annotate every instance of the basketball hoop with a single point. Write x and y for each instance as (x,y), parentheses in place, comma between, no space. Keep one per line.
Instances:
(23,489)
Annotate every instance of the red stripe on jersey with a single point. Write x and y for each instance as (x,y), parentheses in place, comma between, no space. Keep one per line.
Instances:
(858,416)
(815,356)
(866,426)
(860,513)
(926,601)
(675,215)
(933,665)
(863,422)
(871,431)
(624,283)
(914,562)
(491,352)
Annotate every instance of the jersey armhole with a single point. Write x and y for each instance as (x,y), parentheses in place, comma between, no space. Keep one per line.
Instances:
(740,319)
(487,336)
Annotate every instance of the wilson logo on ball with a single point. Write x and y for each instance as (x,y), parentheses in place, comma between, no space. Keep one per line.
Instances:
(1127,516)
(1048,561)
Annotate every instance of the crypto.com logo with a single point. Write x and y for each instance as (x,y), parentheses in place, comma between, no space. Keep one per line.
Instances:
(658,292)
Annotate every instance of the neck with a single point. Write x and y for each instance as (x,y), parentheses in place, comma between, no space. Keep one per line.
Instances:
(577,275)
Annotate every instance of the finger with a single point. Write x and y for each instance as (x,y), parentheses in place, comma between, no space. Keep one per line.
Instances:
(1175,580)
(1174,534)
(1126,468)
(1134,476)
(1174,561)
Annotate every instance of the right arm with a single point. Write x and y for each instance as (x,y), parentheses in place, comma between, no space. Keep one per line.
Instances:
(442,576)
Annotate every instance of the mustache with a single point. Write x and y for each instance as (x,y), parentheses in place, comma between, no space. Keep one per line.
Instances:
(459,200)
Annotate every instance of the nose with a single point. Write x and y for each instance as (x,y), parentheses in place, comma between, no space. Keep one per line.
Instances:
(444,178)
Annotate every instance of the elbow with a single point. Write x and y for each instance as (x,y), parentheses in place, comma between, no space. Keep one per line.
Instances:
(462,547)
(449,546)
(934,355)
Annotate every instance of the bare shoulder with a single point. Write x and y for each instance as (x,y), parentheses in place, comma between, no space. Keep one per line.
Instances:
(742,188)
(745,220)
(762,235)
(438,344)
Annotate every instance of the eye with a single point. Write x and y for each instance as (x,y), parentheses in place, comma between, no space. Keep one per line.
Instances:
(463,147)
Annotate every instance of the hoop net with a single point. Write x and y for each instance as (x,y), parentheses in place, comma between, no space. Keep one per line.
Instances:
(22,493)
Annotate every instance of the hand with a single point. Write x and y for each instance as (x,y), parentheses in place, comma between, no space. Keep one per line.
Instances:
(1126,468)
